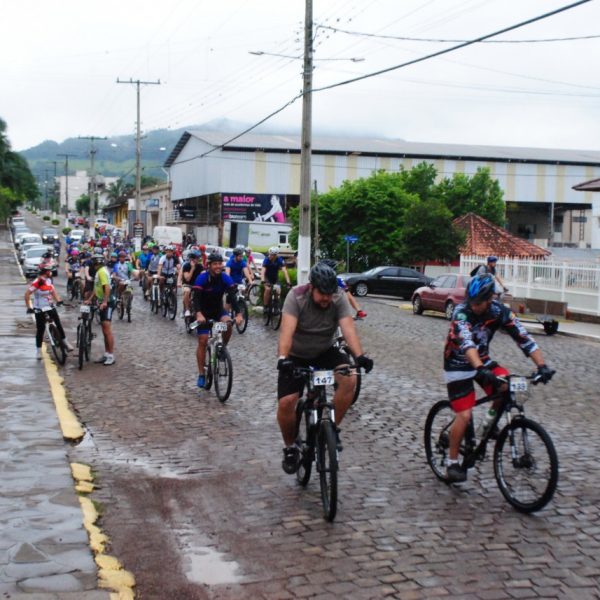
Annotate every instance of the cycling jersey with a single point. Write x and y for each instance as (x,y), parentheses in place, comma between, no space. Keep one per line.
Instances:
(168,265)
(123,270)
(102,278)
(42,292)
(74,265)
(208,298)
(272,268)
(187,268)
(144,259)
(469,330)
(153,262)
(237,269)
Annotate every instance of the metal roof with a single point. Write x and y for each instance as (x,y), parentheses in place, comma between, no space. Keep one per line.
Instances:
(250,142)
(593,185)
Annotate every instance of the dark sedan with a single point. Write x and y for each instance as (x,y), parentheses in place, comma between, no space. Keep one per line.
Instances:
(393,281)
(49,235)
(442,294)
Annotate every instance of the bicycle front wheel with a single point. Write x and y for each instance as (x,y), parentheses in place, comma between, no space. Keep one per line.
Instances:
(306,446)
(172,304)
(275,313)
(128,306)
(327,466)
(58,345)
(244,312)
(437,437)
(254,294)
(81,343)
(223,374)
(164,304)
(208,373)
(526,465)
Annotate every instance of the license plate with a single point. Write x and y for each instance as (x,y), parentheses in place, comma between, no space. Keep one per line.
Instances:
(323,378)
(222,327)
(84,308)
(518,384)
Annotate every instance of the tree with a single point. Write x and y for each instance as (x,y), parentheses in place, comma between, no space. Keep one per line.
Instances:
(479,194)
(82,204)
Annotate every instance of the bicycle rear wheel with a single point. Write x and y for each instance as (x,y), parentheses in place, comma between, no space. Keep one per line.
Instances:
(223,374)
(208,374)
(81,344)
(172,304)
(526,465)
(327,466)
(244,312)
(306,444)
(254,294)
(58,345)
(437,437)
(275,313)
(128,305)
(154,300)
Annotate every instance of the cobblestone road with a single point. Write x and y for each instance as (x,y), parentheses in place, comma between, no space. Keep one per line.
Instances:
(197,506)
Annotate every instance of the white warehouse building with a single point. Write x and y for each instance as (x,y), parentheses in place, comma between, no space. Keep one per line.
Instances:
(217,184)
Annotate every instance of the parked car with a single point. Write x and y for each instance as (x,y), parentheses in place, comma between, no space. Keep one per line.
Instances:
(21,235)
(442,294)
(49,235)
(28,245)
(390,280)
(76,234)
(33,258)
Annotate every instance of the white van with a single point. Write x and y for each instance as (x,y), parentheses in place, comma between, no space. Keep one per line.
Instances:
(164,235)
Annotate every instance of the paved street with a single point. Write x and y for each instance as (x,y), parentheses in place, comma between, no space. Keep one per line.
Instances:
(197,506)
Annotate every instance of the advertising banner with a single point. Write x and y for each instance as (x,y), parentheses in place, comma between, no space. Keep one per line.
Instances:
(253,207)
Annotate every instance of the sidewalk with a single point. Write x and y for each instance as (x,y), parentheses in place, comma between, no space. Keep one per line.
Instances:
(44,548)
(586,331)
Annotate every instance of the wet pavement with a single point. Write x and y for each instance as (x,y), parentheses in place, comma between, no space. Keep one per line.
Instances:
(44,548)
(196,504)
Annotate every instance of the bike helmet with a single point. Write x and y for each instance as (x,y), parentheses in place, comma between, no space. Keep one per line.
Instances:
(170,248)
(98,252)
(122,253)
(323,278)
(98,258)
(274,250)
(480,288)
(492,259)
(202,248)
(74,252)
(114,255)
(214,257)
(329,262)
(238,251)
(194,254)
(248,250)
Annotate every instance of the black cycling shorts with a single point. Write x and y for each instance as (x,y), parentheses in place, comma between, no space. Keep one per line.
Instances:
(287,384)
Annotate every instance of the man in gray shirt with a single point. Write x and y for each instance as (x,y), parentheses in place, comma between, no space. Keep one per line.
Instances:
(311,315)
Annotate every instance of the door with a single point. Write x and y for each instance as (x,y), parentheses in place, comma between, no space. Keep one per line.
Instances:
(386,281)
(430,295)
(407,282)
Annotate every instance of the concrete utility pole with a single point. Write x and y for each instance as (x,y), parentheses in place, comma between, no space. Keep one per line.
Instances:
(306,149)
(138,146)
(93,197)
(55,163)
(66,157)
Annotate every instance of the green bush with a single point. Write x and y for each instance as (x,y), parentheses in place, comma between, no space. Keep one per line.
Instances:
(66,230)
(46,218)
(55,221)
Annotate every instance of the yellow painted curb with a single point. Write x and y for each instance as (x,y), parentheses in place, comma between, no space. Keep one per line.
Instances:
(70,426)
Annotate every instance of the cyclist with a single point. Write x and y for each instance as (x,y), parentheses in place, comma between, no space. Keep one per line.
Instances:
(250,258)
(89,273)
(72,267)
(311,315)
(269,275)
(102,292)
(490,267)
(143,258)
(209,288)
(360,314)
(187,276)
(237,267)
(203,256)
(44,294)
(152,266)
(467,359)
(121,272)
(168,266)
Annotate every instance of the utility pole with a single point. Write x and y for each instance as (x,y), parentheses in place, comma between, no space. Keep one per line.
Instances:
(138,148)
(93,150)
(46,188)
(66,156)
(306,149)
(54,162)
(317,241)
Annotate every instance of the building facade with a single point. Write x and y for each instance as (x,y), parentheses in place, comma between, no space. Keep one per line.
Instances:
(79,184)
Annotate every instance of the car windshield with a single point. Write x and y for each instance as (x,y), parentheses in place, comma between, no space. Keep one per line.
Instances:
(50,231)
(36,252)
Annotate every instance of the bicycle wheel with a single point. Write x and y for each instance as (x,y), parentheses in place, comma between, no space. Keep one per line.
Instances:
(223,374)
(306,446)
(327,466)
(275,313)
(208,367)
(81,344)
(244,310)
(164,304)
(172,304)
(128,303)
(89,337)
(254,294)
(267,313)
(352,363)
(526,465)
(58,345)
(121,307)
(437,437)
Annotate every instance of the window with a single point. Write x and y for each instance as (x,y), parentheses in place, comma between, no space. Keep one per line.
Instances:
(409,273)
(450,281)
(439,281)
(389,272)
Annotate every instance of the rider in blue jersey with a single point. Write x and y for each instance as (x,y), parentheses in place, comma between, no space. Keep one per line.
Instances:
(270,272)
(209,288)
(237,267)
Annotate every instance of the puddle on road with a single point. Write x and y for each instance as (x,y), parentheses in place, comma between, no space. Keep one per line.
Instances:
(209,567)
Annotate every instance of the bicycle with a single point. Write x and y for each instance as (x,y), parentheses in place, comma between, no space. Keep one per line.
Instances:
(125,300)
(272,312)
(76,287)
(253,293)
(318,438)
(84,333)
(243,309)
(340,344)
(52,334)
(523,448)
(154,295)
(217,361)
(168,297)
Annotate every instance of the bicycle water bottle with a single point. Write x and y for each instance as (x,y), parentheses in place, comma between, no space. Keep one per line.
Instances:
(486,423)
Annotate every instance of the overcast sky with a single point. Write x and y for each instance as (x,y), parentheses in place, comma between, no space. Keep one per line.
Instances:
(60,59)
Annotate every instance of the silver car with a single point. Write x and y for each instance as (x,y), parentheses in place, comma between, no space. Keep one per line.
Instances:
(33,258)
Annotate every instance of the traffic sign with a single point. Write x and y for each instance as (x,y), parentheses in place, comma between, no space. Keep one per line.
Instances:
(351,238)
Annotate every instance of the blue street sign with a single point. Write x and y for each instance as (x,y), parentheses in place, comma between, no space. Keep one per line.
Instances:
(351,238)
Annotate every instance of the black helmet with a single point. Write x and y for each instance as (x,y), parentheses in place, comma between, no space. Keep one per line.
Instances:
(481,288)
(214,257)
(323,278)
(238,251)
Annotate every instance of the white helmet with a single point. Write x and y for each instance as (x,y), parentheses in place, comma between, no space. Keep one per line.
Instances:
(274,250)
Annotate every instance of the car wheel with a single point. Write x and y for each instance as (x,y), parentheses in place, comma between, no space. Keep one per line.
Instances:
(417,305)
(449,310)
(361,289)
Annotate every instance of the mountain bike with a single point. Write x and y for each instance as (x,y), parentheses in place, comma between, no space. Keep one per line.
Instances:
(340,343)
(525,461)
(316,437)
(52,334)
(254,292)
(272,312)
(168,297)
(76,289)
(84,333)
(217,361)
(154,295)
(243,309)
(125,300)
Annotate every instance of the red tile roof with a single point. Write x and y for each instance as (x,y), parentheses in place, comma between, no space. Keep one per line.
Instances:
(483,238)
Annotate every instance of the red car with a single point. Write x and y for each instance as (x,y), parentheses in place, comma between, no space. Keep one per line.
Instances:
(442,294)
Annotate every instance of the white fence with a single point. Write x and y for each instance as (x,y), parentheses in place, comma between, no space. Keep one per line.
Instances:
(577,284)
